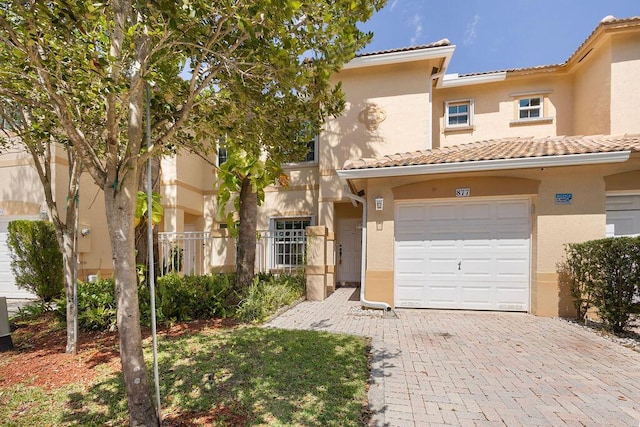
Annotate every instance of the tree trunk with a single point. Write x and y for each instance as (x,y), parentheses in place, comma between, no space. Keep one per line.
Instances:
(68,261)
(246,257)
(120,208)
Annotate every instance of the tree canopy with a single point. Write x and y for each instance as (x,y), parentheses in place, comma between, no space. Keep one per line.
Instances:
(89,63)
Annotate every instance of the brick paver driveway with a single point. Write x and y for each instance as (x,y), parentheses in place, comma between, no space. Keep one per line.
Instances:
(435,367)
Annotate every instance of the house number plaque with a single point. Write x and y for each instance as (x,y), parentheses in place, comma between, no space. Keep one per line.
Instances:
(463,192)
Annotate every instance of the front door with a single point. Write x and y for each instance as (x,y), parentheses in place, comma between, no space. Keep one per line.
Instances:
(349,250)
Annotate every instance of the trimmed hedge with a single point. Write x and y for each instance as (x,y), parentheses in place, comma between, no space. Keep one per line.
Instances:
(181,299)
(604,274)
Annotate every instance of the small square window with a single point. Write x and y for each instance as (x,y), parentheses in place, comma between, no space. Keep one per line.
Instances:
(459,113)
(530,108)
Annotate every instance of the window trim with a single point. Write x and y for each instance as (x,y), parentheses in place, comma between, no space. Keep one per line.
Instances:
(543,108)
(530,108)
(273,245)
(470,113)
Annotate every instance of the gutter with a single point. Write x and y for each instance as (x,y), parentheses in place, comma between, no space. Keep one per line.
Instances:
(363,262)
(487,165)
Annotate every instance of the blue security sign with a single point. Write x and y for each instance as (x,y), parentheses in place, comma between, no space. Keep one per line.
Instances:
(564,198)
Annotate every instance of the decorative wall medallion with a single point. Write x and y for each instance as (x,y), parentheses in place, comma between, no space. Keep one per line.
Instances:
(372,116)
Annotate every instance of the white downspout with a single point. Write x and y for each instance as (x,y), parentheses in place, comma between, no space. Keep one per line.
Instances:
(363,262)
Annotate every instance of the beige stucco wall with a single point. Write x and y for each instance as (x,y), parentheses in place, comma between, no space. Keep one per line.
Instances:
(25,196)
(495,109)
(625,84)
(592,89)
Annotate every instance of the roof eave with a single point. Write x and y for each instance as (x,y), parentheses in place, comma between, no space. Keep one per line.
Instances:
(488,165)
(400,57)
(454,80)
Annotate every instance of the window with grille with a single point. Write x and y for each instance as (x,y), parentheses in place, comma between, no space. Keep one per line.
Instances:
(289,241)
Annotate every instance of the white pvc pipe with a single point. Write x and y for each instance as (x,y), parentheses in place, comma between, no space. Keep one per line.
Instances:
(363,268)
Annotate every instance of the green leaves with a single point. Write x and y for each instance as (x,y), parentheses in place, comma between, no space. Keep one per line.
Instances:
(142,207)
(239,167)
(605,274)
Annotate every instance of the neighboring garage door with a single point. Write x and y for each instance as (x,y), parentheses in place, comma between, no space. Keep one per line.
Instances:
(623,215)
(7,282)
(463,255)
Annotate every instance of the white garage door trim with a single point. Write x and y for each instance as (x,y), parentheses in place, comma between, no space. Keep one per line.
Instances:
(471,254)
(8,288)
(623,214)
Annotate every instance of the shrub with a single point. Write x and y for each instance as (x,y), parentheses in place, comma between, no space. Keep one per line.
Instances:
(268,293)
(605,274)
(181,299)
(36,260)
(96,305)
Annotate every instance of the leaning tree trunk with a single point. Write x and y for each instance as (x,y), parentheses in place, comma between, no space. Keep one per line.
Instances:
(120,207)
(246,257)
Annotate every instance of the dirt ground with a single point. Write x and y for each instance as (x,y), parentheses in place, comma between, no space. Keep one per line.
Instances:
(39,360)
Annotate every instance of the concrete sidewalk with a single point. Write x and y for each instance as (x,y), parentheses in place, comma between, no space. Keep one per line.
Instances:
(434,367)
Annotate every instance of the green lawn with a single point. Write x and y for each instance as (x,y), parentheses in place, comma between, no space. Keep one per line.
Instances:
(229,376)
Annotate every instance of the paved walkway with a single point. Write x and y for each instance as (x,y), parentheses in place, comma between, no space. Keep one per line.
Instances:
(433,367)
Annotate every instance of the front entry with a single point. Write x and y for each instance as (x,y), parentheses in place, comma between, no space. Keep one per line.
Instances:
(349,250)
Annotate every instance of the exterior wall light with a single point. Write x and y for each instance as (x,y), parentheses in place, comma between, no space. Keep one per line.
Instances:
(379,203)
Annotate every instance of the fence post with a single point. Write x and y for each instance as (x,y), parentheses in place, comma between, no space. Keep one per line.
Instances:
(316,268)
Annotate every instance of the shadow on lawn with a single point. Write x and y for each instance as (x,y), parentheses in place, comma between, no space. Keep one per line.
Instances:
(246,376)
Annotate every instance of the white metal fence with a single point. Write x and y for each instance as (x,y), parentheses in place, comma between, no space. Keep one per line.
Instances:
(200,252)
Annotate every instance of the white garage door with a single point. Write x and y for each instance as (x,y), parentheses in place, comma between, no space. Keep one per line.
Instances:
(7,282)
(623,215)
(463,255)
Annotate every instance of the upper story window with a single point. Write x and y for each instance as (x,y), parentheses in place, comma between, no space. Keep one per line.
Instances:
(312,152)
(530,108)
(459,114)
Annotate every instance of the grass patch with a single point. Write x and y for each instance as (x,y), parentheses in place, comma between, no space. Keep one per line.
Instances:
(220,377)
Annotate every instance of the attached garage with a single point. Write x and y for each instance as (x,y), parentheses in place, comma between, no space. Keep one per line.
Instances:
(8,288)
(455,254)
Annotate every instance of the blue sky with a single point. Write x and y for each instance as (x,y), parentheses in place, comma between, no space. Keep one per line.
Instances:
(494,34)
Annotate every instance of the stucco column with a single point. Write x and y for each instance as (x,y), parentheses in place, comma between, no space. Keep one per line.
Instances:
(173,220)
(316,263)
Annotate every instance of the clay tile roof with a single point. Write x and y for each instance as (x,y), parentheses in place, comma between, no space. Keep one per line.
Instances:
(439,43)
(507,148)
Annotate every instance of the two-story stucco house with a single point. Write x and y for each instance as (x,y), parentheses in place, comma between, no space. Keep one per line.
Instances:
(432,190)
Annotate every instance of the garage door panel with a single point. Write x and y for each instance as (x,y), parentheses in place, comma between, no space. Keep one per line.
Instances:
(442,212)
(517,267)
(413,212)
(477,212)
(478,267)
(475,255)
(442,295)
(476,243)
(477,297)
(515,209)
(441,266)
